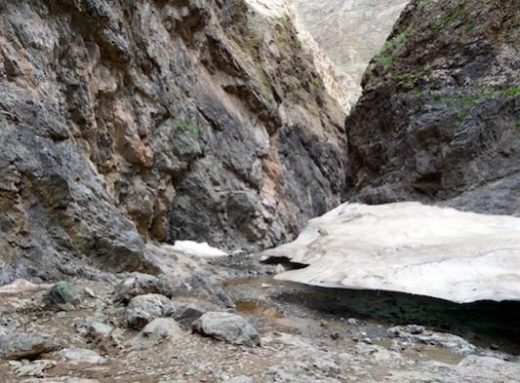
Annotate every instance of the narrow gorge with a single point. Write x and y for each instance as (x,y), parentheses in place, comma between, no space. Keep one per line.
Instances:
(259,191)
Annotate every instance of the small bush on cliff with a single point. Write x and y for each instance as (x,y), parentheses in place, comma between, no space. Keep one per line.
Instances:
(392,49)
(189,127)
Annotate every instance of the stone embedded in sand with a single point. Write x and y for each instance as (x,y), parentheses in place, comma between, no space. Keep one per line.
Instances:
(79,356)
(186,316)
(413,333)
(410,248)
(16,346)
(155,332)
(33,368)
(63,296)
(144,308)
(227,327)
(94,327)
(239,379)
(22,286)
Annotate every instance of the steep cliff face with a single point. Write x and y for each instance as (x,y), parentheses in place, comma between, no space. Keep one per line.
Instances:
(122,122)
(350,32)
(439,119)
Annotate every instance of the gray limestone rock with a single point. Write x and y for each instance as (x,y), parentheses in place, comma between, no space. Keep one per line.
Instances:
(228,327)
(144,308)
(79,356)
(140,284)
(155,332)
(16,346)
(63,296)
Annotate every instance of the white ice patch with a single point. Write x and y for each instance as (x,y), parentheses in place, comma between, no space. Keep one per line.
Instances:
(197,249)
(411,248)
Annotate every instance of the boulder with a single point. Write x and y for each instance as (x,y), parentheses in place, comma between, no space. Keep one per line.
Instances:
(140,284)
(63,296)
(155,332)
(79,356)
(144,308)
(33,368)
(16,346)
(228,327)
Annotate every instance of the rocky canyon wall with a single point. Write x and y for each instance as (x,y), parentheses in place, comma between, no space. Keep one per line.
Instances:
(439,118)
(122,122)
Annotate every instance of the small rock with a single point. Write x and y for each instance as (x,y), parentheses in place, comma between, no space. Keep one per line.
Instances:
(61,379)
(239,379)
(187,316)
(79,355)
(452,342)
(35,368)
(140,284)
(99,330)
(225,299)
(155,332)
(144,308)
(227,327)
(353,321)
(90,292)
(93,328)
(63,296)
(22,286)
(16,346)
(415,330)
(335,336)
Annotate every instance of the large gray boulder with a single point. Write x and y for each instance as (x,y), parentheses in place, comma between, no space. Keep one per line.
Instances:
(228,327)
(16,346)
(144,308)
(140,284)
(79,356)
(63,296)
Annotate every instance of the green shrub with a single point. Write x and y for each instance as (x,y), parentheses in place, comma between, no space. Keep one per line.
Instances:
(189,127)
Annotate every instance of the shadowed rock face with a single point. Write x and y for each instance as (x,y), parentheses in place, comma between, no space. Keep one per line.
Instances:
(439,118)
(127,121)
(351,32)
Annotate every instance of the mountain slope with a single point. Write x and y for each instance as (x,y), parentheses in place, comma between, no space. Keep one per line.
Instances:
(350,32)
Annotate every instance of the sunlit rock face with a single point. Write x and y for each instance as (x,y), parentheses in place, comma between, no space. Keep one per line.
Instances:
(411,248)
(351,32)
